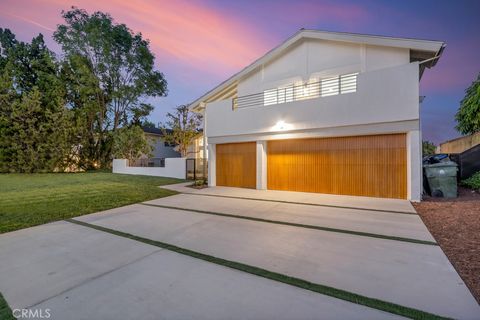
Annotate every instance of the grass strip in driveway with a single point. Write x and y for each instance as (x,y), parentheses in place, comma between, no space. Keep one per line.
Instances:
(297,282)
(295,202)
(5,311)
(292,224)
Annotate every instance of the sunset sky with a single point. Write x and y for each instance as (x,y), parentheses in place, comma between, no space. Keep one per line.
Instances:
(198,44)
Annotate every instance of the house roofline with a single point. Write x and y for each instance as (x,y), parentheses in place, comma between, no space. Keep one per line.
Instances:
(434,47)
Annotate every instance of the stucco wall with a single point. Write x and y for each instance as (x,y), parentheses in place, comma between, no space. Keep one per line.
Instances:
(385,95)
(386,101)
(174,168)
(320,58)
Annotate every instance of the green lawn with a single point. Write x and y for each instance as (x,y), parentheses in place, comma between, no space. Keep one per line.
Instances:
(5,311)
(31,199)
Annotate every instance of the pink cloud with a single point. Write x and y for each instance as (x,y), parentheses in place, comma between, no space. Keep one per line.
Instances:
(14,16)
(181,32)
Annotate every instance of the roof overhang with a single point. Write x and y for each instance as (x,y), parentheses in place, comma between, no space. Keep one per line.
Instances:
(420,50)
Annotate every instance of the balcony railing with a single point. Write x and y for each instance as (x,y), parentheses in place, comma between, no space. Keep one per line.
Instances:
(325,87)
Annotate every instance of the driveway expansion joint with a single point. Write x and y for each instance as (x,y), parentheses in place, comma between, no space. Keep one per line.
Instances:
(301,203)
(299,225)
(373,303)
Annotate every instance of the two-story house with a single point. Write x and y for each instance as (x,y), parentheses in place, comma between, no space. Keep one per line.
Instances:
(160,148)
(323,112)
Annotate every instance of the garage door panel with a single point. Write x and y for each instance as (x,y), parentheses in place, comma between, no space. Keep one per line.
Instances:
(236,164)
(366,165)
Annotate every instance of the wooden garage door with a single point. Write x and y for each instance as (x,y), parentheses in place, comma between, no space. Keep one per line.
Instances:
(236,164)
(372,166)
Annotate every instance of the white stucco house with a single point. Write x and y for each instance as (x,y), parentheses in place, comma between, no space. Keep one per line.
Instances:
(323,112)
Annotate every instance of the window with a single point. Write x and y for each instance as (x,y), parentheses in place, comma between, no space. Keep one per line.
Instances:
(348,83)
(329,86)
(270,97)
(168,144)
(285,94)
(314,88)
(308,90)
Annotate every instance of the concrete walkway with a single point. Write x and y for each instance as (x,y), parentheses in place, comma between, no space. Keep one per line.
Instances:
(413,275)
(81,273)
(301,197)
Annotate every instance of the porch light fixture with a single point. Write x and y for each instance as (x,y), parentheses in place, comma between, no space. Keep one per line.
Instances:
(282,126)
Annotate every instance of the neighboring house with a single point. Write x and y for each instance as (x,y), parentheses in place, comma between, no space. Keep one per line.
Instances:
(460,144)
(161,148)
(323,112)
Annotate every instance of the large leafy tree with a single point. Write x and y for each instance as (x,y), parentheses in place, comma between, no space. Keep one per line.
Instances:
(109,70)
(181,128)
(35,129)
(88,102)
(468,115)
(120,60)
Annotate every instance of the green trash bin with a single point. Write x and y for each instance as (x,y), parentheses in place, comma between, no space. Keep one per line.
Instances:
(442,178)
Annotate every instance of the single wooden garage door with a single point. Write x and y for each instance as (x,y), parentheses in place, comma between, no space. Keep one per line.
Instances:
(373,166)
(236,164)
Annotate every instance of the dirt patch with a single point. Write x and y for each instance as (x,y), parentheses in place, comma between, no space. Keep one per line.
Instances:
(455,225)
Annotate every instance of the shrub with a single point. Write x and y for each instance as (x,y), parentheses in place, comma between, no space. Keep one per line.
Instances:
(200,182)
(473,182)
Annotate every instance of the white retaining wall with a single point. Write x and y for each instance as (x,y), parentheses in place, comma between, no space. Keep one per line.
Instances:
(174,168)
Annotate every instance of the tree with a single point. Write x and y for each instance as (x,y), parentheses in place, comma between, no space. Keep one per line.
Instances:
(35,127)
(130,143)
(89,104)
(181,128)
(468,115)
(428,148)
(7,42)
(147,124)
(120,59)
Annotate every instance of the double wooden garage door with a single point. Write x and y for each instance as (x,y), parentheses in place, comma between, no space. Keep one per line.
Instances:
(372,166)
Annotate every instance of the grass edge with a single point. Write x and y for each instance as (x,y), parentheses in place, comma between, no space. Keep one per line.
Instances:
(293,281)
(5,310)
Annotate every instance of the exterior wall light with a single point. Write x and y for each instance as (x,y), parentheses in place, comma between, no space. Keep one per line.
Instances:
(282,126)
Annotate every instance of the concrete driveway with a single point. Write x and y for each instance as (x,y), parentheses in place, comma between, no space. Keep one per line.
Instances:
(373,248)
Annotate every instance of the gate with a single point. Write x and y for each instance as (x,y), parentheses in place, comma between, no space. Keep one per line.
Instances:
(196,168)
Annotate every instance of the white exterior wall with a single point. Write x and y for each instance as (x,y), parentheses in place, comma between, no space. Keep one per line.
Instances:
(386,101)
(414,166)
(212,164)
(174,168)
(318,58)
(261,165)
(387,95)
